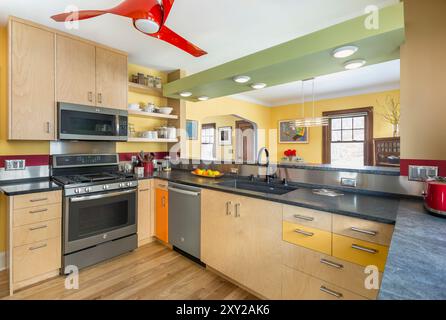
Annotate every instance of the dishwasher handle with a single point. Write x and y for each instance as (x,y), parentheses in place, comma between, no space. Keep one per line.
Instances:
(189,193)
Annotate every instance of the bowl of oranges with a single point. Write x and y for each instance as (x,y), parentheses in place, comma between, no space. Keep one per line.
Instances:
(207,173)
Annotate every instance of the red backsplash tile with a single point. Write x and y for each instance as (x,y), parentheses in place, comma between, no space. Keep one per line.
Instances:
(31,160)
(405,163)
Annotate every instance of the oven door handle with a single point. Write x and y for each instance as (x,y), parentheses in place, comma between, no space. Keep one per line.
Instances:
(101,196)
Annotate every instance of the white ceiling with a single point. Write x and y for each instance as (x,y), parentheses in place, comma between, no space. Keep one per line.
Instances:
(375,78)
(226,29)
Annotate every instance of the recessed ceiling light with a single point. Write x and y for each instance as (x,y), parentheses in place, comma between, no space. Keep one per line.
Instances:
(258,86)
(242,79)
(354,64)
(203,98)
(185,94)
(344,52)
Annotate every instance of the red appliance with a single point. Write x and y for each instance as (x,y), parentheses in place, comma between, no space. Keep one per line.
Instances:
(435,195)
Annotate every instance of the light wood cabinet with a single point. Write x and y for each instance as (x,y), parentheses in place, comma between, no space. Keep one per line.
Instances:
(75,71)
(241,238)
(32,103)
(35,241)
(145,212)
(111,79)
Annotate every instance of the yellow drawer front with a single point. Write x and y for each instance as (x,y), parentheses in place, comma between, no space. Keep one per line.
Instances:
(307,237)
(360,252)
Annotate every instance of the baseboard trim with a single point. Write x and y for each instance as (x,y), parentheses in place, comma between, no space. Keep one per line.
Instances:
(2,261)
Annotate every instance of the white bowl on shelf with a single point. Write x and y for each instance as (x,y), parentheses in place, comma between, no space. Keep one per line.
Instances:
(165,110)
(134,107)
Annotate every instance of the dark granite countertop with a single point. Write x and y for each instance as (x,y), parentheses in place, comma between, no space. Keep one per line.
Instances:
(18,187)
(375,208)
(416,264)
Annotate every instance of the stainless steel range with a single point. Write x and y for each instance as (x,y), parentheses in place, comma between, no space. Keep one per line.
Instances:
(99,208)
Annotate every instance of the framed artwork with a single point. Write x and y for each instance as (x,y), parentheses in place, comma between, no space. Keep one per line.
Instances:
(289,134)
(192,129)
(225,136)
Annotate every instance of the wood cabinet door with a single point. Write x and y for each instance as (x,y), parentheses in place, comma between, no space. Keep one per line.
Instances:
(144,211)
(75,71)
(111,79)
(32,110)
(261,237)
(219,245)
(161,214)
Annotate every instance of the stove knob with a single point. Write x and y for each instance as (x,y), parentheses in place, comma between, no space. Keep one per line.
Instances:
(121,185)
(88,189)
(128,184)
(77,190)
(105,187)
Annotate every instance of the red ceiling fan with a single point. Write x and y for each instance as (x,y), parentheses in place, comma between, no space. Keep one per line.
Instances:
(149,17)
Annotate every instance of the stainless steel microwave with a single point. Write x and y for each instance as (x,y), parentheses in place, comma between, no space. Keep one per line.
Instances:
(78,122)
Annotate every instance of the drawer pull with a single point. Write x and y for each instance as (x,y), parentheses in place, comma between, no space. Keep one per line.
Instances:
(368,232)
(38,228)
(228,208)
(305,233)
(298,216)
(144,190)
(38,200)
(331,292)
(38,247)
(361,248)
(332,264)
(237,210)
(38,211)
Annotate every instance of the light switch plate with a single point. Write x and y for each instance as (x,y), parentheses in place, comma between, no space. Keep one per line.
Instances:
(348,182)
(421,173)
(15,165)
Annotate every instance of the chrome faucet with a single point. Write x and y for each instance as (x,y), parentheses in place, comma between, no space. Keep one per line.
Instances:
(268,177)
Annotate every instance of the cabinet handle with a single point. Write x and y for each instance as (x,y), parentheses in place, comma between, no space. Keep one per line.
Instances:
(303,232)
(38,211)
(331,292)
(144,190)
(99,97)
(298,216)
(38,247)
(38,228)
(163,202)
(332,264)
(38,200)
(361,248)
(237,210)
(90,96)
(368,232)
(228,208)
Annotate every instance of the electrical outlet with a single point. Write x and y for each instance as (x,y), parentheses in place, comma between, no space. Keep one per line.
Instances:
(421,173)
(348,182)
(15,165)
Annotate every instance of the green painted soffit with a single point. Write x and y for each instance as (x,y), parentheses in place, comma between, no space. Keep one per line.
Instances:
(301,58)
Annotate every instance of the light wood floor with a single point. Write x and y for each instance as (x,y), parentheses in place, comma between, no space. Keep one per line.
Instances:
(150,272)
(4,289)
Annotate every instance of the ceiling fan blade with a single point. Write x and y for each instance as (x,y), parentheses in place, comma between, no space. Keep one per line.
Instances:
(167,5)
(78,15)
(178,41)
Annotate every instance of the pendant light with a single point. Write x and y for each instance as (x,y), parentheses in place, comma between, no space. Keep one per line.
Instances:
(310,121)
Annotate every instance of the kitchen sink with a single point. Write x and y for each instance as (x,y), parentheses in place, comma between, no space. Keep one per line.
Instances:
(257,186)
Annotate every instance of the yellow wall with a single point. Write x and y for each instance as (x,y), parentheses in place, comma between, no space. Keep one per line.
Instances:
(423,68)
(312,152)
(202,111)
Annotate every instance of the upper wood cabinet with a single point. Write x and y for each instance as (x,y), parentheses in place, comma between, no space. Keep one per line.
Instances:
(75,71)
(111,79)
(32,104)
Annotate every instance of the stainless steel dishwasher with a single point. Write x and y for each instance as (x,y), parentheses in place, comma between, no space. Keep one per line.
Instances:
(185,218)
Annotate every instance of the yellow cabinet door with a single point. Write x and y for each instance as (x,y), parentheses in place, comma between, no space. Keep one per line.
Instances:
(111,79)
(32,112)
(307,237)
(76,71)
(360,252)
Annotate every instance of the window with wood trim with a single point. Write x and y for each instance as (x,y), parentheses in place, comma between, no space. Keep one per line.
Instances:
(348,139)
